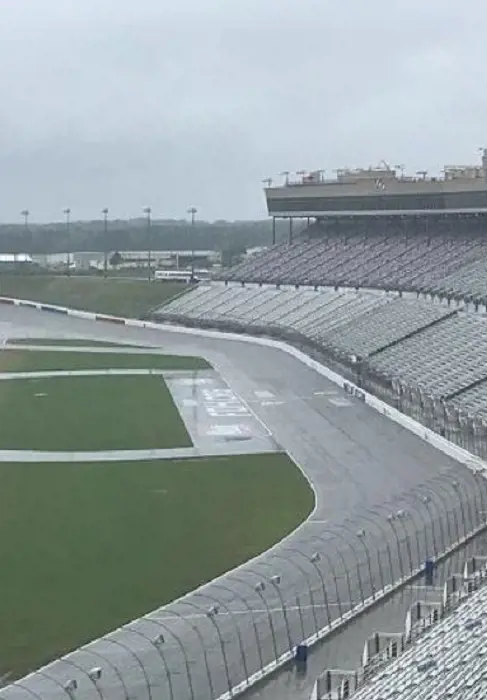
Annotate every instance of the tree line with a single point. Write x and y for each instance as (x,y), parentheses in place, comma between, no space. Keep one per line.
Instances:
(231,237)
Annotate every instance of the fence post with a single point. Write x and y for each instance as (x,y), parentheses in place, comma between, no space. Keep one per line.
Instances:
(275,581)
(70,662)
(308,583)
(135,655)
(372,521)
(217,603)
(202,643)
(390,520)
(251,616)
(99,655)
(332,569)
(163,658)
(341,538)
(160,625)
(269,617)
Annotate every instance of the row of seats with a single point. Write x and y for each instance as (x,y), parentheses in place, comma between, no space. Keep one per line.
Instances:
(443,359)
(386,257)
(429,345)
(448,662)
(470,281)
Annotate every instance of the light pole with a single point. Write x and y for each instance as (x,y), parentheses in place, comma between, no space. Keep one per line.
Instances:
(148,212)
(67,214)
(25,213)
(193,211)
(105,241)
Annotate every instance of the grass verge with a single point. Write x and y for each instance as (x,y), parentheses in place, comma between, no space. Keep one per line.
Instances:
(87,547)
(44,360)
(89,413)
(120,297)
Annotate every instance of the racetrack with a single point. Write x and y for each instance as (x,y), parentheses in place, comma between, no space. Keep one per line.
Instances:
(356,459)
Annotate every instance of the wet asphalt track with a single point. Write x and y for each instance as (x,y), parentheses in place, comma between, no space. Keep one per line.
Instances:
(357,461)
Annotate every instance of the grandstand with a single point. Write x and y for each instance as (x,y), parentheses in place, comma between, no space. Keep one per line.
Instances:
(388,257)
(388,285)
(440,654)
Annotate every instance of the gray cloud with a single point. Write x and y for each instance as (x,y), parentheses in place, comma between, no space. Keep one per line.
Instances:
(122,104)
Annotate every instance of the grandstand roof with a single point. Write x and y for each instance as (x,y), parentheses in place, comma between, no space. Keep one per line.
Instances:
(460,189)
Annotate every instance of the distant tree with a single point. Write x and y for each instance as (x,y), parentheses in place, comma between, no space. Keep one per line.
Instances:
(116,259)
(232,253)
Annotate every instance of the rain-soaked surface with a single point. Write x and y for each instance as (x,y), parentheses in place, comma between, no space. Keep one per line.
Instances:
(364,469)
(218,420)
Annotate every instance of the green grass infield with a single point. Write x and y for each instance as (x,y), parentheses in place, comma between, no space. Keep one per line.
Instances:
(14,360)
(120,297)
(89,413)
(88,547)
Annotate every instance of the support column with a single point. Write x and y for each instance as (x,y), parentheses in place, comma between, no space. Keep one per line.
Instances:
(290,229)
(273,230)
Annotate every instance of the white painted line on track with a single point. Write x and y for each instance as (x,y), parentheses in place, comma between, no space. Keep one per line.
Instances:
(264,394)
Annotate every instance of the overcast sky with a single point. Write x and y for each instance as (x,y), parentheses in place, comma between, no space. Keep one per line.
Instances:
(172,103)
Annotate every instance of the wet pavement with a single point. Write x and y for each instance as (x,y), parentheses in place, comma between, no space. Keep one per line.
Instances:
(217,419)
(362,468)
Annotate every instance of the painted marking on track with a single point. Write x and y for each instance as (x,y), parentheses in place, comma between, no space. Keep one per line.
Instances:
(264,426)
(228,431)
(264,394)
(329,392)
(272,403)
(223,403)
(316,521)
(341,403)
(197,381)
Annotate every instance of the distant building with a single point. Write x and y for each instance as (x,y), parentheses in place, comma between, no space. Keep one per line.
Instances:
(12,260)
(250,252)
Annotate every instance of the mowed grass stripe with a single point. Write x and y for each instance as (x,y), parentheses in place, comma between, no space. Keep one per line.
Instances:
(71,342)
(87,547)
(25,360)
(89,413)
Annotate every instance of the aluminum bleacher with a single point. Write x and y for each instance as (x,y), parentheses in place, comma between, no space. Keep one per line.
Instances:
(432,348)
(384,258)
(444,358)
(403,310)
(441,653)
(469,281)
